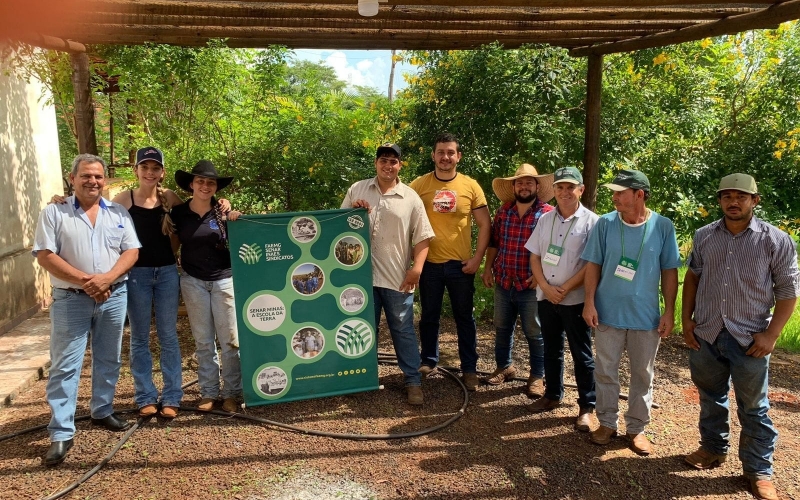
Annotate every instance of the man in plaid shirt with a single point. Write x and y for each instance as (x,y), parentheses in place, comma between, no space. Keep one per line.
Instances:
(508,265)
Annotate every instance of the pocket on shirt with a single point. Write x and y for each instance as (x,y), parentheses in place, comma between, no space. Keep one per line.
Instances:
(114,238)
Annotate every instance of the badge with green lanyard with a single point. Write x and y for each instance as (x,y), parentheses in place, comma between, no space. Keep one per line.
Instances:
(626,269)
(554,252)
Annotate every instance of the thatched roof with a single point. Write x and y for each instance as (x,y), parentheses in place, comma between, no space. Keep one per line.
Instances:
(584,26)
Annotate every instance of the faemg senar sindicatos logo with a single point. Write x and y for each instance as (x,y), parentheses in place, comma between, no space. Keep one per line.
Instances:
(355,221)
(250,254)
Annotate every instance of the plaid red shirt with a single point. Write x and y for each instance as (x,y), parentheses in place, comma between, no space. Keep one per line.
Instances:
(512,265)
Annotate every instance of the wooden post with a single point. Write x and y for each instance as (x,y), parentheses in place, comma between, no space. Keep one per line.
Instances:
(84,107)
(591,143)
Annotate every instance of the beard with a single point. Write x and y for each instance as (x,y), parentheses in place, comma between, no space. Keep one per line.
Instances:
(524,199)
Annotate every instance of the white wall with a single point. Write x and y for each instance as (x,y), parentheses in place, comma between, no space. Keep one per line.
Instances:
(30,173)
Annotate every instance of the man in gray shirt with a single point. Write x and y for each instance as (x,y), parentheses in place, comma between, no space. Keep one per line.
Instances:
(739,267)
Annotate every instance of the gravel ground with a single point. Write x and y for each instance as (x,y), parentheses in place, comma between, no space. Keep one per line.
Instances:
(497,450)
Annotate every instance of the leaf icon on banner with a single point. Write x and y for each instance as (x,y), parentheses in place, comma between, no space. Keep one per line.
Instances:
(250,254)
(354,338)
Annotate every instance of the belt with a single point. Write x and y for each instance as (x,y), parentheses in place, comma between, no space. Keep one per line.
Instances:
(113,287)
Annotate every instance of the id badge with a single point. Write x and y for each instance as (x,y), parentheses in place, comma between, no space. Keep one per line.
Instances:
(626,269)
(553,255)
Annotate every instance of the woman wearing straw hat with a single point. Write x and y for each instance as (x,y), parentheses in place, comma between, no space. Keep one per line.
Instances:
(207,284)
(524,196)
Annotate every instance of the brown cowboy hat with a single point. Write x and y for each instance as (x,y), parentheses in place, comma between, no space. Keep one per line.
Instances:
(504,186)
(203,168)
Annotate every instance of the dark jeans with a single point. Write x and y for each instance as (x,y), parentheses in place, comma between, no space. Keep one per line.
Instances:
(556,321)
(460,287)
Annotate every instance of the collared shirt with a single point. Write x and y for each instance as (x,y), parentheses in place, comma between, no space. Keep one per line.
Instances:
(553,229)
(397,222)
(512,266)
(203,254)
(450,205)
(741,277)
(65,230)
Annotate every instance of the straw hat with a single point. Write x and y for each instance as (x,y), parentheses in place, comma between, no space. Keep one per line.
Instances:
(504,186)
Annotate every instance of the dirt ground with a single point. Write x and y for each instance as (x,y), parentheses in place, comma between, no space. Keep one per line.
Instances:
(497,450)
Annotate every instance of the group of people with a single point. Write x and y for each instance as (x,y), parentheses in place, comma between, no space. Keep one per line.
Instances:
(561,271)
(564,272)
(307,284)
(107,259)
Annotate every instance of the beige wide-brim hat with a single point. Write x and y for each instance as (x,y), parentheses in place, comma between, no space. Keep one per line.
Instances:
(504,186)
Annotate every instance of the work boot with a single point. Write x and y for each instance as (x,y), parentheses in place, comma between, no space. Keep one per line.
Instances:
(414,393)
(501,375)
(535,387)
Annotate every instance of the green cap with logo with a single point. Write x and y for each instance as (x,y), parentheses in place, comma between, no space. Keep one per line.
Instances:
(739,182)
(568,174)
(629,179)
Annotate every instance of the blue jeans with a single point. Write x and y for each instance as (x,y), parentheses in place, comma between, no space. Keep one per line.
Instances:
(76,318)
(508,305)
(460,287)
(159,286)
(713,368)
(558,321)
(399,309)
(212,316)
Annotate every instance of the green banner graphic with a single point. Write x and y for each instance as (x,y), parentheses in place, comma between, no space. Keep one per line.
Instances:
(303,287)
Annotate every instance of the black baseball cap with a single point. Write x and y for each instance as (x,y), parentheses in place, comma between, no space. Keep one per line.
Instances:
(150,153)
(390,148)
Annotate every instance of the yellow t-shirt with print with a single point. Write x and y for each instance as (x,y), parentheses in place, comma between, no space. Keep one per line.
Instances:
(449,205)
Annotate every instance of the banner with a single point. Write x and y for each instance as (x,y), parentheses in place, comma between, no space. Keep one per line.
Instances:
(303,287)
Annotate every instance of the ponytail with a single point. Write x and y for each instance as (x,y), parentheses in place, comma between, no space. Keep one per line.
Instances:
(167,226)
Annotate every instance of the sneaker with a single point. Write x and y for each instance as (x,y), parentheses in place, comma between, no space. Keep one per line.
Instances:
(603,435)
(501,375)
(763,489)
(206,404)
(640,444)
(230,405)
(535,387)
(471,381)
(426,370)
(148,410)
(414,393)
(702,459)
(544,404)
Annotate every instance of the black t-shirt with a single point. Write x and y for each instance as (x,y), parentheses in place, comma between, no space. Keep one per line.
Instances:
(156,248)
(202,254)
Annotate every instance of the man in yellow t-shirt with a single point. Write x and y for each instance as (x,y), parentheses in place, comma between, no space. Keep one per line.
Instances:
(451,201)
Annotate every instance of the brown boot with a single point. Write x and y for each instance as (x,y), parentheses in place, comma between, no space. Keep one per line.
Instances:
(471,381)
(763,489)
(640,444)
(205,404)
(535,387)
(230,405)
(702,459)
(415,396)
(603,435)
(584,421)
(501,375)
(544,404)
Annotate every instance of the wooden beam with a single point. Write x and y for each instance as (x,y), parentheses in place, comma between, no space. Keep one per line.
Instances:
(308,42)
(52,43)
(526,3)
(591,141)
(411,12)
(384,23)
(84,108)
(96,33)
(768,18)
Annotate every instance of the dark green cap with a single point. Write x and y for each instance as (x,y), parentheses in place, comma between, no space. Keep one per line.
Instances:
(628,179)
(568,174)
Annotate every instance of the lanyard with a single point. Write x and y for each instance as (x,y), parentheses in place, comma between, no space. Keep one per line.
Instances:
(574,216)
(622,236)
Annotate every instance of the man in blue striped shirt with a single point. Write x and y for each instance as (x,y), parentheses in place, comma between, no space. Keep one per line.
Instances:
(739,267)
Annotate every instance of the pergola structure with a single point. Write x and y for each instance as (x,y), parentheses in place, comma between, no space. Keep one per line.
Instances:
(589,28)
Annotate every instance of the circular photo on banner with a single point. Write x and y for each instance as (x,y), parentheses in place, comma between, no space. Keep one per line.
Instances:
(307,279)
(352,300)
(354,338)
(271,381)
(304,229)
(349,251)
(308,343)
